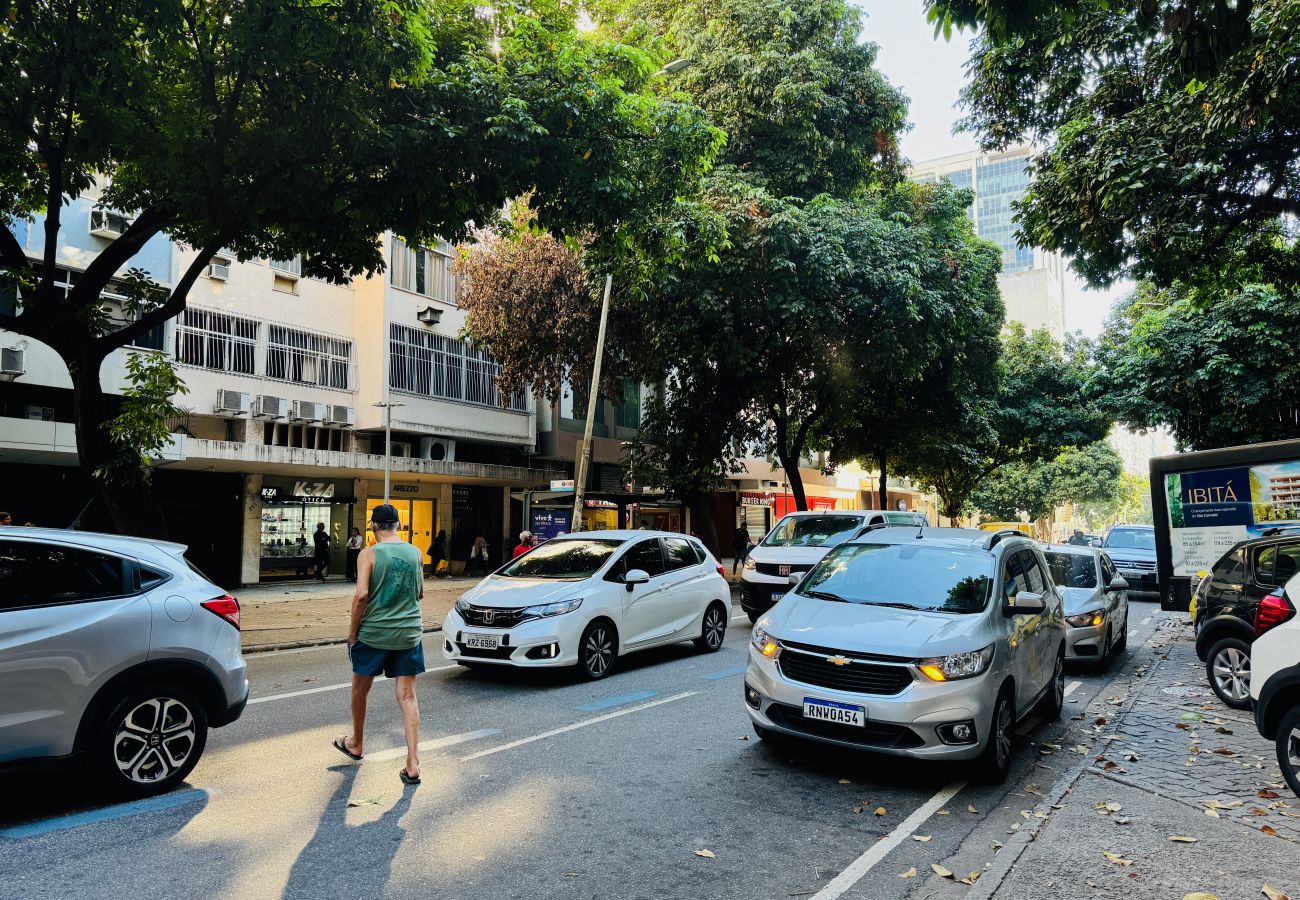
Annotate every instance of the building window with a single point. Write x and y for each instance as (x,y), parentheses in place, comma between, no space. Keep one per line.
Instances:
(629,405)
(304,357)
(218,341)
(423,271)
(434,365)
(288,266)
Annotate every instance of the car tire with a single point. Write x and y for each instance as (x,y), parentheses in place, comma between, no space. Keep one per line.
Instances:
(713,629)
(150,741)
(598,650)
(1288,748)
(1053,701)
(1227,666)
(753,617)
(995,761)
(1122,644)
(1103,660)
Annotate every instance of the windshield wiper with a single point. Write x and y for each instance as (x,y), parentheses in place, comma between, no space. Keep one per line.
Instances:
(826,595)
(888,604)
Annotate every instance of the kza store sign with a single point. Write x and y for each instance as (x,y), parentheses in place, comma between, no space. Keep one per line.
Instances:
(302,491)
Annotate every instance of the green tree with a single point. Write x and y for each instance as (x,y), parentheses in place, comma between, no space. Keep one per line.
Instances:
(1079,475)
(275,130)
(1131,504)
(1215,376)
(1170,129)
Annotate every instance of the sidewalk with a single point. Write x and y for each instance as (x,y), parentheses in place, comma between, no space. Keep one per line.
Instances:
(1174,762)
(305,614)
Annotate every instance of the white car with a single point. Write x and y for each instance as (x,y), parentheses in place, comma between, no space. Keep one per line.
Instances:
(798,542)
(587,598)
(1275,676)
(1096,602)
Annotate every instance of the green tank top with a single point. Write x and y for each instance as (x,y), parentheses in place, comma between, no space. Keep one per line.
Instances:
(392,620)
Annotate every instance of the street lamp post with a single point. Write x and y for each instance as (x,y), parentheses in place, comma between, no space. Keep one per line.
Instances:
(387,407)
(584,453)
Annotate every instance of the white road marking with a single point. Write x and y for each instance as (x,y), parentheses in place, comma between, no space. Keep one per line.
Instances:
(741,616)
(576,725)
(878,851)
(331,687)
(1146,621)
(450,740)
(1132,632)
(1072,687)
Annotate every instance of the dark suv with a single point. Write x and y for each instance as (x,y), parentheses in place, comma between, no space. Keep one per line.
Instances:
(1235,604)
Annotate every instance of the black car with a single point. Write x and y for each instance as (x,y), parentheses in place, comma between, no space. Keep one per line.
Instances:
(1227,604)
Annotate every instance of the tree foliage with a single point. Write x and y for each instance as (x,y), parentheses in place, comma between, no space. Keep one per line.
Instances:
(1215,376)
(1088,474)
(1170,129)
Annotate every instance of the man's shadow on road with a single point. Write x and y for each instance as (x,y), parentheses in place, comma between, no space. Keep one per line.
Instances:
(339,854)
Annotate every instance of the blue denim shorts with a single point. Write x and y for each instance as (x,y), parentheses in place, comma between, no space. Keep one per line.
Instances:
(372,661)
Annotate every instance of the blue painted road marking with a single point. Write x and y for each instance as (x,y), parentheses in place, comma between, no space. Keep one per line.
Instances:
(108,813)
(611,702)
(725,673)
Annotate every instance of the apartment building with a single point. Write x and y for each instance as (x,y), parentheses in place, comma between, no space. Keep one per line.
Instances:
(291,381)
(1032,281)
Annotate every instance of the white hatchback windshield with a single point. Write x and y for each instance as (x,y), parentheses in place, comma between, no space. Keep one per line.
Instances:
(562,559)
(812,531)
(903,576)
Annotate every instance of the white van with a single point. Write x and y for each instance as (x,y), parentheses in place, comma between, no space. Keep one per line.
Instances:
(798,542)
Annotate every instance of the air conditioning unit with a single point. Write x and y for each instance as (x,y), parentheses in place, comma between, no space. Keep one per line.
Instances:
(13,362)
(108,223)
(219,268)
(233,403)
(436,448)
(340,415)
(400,448)
(271,407)
(40,413)
(307,411)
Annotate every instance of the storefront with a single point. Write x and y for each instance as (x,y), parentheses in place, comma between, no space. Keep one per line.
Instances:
(291,510)
(417,519)
(754,513)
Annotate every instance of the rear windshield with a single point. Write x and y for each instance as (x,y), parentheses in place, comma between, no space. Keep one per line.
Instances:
(562,559)
(904,576)
(812,531)
(1132,539)
(1072,570)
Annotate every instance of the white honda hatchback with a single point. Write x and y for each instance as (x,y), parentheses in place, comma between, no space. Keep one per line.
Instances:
(587,598)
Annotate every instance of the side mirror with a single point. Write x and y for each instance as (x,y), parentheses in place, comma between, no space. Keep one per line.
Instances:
(635,577)
(795,578)
(1116,585)
(1025,603)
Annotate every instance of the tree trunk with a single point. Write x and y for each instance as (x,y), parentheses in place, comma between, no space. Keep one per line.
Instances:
(881,460)
(123,486)
(704,526)
(794,479)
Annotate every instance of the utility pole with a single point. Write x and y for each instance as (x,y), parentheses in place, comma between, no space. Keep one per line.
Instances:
(387,407)
(583,461)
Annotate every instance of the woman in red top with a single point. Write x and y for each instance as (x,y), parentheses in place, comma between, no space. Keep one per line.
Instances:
(525,544)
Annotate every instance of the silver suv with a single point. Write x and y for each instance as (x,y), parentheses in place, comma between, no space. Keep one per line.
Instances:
(926,643)
(114,651)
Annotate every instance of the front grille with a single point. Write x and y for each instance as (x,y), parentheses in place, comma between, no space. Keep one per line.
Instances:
(775,569)
(856,677)
(1134,565)
(875,734)
(851,654)
(500,618)
(498,653)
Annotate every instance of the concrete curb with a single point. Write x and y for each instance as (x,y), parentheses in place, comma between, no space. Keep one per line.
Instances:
(1013,849)
(323,642)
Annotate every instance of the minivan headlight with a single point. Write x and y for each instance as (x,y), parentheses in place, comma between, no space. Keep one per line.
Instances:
(766,644)
(554,609)
(1086,620)
(956,665)
(749,563)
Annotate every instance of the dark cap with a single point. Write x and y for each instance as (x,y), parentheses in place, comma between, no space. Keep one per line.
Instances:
(385,514)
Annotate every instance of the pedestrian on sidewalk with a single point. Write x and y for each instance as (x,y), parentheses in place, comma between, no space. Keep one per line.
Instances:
(355,544)
(321,538)
(385,633)
(437,552)
(526,543)
(478,557)
(739,547)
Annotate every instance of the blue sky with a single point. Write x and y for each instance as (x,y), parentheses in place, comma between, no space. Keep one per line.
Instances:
(930,71)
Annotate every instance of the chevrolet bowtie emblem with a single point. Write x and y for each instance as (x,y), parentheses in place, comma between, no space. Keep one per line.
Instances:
(838,660)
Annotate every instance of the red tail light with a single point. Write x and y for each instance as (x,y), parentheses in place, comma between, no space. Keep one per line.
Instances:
(225,606)
(721,570)
(1273,610)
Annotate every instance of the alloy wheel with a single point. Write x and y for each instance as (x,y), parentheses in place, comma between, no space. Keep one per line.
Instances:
(1293,753)
(1058,681)
(1002,734)
(154,740)
(598,651)
(715,628)
(1232,673)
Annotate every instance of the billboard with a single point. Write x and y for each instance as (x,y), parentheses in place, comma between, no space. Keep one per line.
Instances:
(1211,510)
(550,523)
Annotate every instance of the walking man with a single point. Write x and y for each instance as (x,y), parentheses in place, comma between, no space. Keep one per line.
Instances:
(322,540)
(739,547)
(384,637)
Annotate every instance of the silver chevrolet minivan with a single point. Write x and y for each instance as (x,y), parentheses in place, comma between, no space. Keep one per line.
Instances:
(930,643)
(116,652)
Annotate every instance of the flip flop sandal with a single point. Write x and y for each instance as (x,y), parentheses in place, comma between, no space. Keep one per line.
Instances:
(340,746)
(407,778)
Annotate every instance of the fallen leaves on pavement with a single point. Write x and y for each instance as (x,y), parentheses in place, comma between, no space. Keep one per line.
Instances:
(910,873)
(707,854)
(1116,858)
(880,810)
(971,878)
(1267,794)
(972,810)
(1273,893)
(923,838)
(1269,830)
(1182,839)
(941,871)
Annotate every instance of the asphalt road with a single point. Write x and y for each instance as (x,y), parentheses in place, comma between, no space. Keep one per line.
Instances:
(534,787)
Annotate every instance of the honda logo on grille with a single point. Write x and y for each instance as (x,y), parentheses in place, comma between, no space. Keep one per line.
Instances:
(488,616)
(783,571)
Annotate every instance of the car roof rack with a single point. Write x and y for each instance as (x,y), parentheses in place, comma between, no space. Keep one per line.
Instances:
(999,535)
(1278,529)
(872,527)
